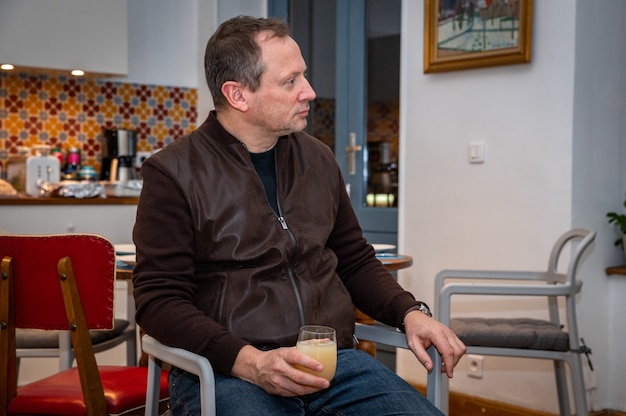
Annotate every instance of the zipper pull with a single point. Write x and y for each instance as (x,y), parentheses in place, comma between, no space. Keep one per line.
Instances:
(283,223)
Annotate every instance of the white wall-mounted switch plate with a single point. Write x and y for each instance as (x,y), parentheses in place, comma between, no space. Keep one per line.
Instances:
(477,152)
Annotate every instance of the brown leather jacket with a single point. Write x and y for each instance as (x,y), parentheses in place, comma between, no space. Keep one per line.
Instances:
(217,268)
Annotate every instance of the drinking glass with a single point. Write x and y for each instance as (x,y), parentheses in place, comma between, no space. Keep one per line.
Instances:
(320,343)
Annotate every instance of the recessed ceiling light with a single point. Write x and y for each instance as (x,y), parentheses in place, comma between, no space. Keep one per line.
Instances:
(7,67)
(78,72)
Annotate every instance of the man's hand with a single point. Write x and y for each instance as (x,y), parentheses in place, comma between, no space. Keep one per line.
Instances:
(274,371)
(423,331)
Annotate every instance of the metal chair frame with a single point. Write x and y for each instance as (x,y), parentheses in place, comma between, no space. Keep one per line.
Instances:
(200,366)
(550,284)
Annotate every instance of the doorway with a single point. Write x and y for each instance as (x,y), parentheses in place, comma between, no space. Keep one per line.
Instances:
(352,49)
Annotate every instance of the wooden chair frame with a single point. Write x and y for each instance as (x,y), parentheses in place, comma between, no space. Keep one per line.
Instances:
(94,380)
(85,357)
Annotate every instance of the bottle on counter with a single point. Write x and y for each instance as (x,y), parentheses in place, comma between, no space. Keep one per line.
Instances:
(56,152)
(72,164)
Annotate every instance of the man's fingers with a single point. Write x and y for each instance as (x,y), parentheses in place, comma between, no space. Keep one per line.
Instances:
(453,352)
(421,354)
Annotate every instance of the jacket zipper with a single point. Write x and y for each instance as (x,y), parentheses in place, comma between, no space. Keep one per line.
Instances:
(292,278)
(284,226)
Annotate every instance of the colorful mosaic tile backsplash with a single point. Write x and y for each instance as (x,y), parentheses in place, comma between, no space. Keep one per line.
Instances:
(67,112)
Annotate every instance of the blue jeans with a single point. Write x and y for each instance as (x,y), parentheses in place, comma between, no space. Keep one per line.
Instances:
(362,386)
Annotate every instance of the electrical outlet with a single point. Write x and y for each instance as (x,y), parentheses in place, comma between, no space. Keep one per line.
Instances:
(140,157)
(475,366)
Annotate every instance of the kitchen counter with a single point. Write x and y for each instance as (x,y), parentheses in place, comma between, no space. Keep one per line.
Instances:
(112,217)
(58,200)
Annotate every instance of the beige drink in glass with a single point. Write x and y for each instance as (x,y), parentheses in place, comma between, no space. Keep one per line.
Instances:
(320,343)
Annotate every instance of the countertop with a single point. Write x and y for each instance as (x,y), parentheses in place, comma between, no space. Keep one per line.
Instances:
(59,200)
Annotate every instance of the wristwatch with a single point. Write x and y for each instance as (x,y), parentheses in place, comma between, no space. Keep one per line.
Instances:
(422,307)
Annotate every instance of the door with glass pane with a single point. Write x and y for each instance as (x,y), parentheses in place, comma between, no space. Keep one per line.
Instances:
(352,49)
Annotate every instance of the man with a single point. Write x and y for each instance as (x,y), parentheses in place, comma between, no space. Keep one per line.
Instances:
(245,233)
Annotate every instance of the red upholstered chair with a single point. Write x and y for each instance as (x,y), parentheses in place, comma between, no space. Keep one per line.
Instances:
(64,282)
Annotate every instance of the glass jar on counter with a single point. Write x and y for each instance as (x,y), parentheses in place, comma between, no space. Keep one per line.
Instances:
(87,173)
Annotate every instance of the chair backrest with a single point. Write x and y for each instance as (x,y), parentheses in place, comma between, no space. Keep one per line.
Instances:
(580,239)
(38,298)
(39,290)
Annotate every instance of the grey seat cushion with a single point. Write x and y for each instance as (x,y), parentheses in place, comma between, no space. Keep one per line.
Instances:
(33,338)
(524,333)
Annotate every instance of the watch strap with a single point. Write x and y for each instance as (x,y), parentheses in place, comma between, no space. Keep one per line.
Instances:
(420,306)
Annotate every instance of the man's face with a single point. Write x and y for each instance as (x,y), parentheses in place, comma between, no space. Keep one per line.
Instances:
(281,103)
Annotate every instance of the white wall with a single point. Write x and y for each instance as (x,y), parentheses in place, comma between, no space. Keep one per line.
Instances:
(507,212)
(163,40)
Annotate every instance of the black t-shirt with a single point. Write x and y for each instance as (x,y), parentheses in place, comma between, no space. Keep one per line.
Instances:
(265,166)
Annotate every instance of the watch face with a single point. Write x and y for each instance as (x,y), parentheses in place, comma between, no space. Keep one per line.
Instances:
(425,309)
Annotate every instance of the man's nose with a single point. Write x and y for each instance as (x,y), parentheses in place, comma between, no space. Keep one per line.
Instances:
(307,94)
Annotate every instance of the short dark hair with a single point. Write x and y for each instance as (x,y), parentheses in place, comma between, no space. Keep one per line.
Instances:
(233,54)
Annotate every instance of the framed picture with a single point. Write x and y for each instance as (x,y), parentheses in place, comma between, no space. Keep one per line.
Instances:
(466,34)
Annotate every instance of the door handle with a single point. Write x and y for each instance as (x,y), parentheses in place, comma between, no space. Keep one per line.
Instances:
(351,150)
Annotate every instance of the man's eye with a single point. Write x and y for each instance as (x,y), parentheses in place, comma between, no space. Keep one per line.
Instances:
(291,81)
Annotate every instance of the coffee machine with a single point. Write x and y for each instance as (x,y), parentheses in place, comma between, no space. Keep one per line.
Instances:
(118,156)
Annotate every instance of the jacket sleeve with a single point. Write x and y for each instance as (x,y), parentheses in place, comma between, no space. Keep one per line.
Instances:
(372,287)
(164,287)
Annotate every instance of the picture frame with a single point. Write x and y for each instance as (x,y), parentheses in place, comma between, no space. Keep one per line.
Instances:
(468,34)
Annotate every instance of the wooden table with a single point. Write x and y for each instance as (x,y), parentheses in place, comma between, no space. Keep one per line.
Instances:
(124,273)
(393,261)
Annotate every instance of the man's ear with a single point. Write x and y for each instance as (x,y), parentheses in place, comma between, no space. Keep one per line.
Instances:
(234,93)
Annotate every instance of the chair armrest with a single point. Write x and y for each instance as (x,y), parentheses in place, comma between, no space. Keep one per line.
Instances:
(510,275)
(491,274)
(382,334)
(504,275)
(443,301)
(387,335)
(178,357)
(185,360)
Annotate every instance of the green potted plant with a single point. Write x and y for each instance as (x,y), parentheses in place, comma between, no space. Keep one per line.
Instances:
(620,222)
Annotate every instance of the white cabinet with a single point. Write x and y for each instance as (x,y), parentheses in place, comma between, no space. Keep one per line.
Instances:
(115,222)
(91,35)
